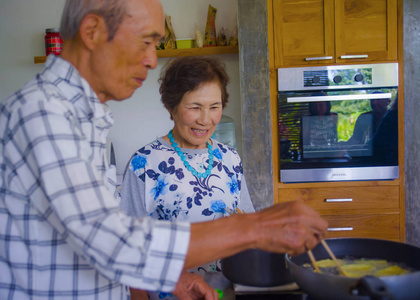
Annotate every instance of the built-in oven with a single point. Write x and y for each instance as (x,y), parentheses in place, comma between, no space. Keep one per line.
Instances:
(338,123)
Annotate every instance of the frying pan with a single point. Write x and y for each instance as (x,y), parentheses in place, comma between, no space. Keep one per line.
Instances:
(257,268)
(325,286)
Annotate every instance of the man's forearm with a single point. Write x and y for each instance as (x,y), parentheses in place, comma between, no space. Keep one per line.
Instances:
(290,227)
(220,238)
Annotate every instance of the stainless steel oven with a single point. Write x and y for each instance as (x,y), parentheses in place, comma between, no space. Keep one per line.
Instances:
(338,123)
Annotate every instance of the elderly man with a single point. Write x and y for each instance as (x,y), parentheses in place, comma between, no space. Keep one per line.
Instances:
(62,234)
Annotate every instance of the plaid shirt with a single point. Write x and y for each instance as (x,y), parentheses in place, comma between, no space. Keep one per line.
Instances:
(62,233)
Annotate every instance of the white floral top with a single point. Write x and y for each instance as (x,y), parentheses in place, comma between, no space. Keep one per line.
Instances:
(157,184)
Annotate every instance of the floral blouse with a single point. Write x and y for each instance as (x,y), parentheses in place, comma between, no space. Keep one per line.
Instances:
(157,184)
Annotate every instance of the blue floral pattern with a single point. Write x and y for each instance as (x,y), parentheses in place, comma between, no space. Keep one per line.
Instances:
(164,176)
(161,187)
(171,192)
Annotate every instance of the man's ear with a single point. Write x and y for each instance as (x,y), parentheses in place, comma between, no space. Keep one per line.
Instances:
(93,30)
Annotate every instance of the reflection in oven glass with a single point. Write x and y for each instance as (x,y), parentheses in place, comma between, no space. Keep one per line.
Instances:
(359,131)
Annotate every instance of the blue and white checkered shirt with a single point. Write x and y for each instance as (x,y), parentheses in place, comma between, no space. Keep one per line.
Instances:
(62,233)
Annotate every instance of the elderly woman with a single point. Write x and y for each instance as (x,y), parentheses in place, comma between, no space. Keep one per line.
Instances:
(186,174)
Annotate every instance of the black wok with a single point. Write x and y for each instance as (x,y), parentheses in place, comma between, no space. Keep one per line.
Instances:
(256,268)
(324,286)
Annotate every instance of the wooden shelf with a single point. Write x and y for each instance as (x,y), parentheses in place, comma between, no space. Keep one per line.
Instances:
(39,59)
(198,51)
(177,52)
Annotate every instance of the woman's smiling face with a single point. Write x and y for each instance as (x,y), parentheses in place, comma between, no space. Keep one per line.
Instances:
(197,116)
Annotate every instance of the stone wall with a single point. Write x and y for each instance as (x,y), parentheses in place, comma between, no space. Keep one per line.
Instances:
(255,98)
(411,117)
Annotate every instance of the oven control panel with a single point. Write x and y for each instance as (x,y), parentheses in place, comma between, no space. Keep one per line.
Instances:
(338,77)
(333,77)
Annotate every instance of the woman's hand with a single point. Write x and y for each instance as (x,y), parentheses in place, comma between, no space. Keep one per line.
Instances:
(192,286)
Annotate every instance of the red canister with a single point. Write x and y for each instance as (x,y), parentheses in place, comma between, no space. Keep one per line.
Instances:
(53,41)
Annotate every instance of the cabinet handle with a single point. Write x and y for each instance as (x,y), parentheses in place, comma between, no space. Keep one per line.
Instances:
(339,200)
(339,98)
(340,229)
(319,58)
(354,56)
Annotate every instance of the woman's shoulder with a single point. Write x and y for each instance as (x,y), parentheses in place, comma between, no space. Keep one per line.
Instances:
(156,145)
(149,155)
(221,150)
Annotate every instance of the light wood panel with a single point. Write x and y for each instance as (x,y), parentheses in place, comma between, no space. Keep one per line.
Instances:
(345,200)
(303,29)
(381,226)
(366,27)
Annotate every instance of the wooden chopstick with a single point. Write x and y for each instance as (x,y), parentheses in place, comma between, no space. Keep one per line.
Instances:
(311,256)
(324,243)
(240,211)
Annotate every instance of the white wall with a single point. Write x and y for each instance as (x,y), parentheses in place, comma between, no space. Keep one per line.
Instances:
(141,118)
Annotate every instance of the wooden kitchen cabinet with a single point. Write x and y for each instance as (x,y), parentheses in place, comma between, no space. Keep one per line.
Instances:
(314,32)
(345,200)
(367,27)
(380,226)
(300,29)
(369,211)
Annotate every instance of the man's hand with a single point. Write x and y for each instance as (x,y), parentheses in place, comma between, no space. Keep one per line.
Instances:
(290,227)
(192,286)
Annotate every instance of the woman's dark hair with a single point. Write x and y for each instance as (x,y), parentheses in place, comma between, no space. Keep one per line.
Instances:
(185,74)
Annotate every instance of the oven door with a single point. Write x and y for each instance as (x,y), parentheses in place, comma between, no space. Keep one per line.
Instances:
(338,135)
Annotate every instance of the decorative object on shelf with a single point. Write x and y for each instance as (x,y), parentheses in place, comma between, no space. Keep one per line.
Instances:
(221,38)
(199,40)
(210,33)
(53,41)
(185,43)
(234,38)
(170,37)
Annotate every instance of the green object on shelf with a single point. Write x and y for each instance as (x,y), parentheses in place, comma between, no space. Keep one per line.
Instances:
(220,293)
(185,43)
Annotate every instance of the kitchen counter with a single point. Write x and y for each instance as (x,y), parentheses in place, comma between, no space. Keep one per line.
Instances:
(218,281)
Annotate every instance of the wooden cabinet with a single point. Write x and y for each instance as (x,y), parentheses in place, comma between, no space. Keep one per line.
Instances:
(366,27)
(300,30)
(313,32)
(369,211)
(379,226)
(303,30)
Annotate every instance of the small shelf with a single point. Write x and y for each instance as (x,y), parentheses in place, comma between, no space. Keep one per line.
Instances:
(39,59)
(177,52)
(198,51)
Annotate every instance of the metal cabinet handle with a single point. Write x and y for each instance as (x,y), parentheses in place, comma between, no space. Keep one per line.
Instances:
(340,229)
(354,56)
(319,58)
(339,200)
(339,98)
